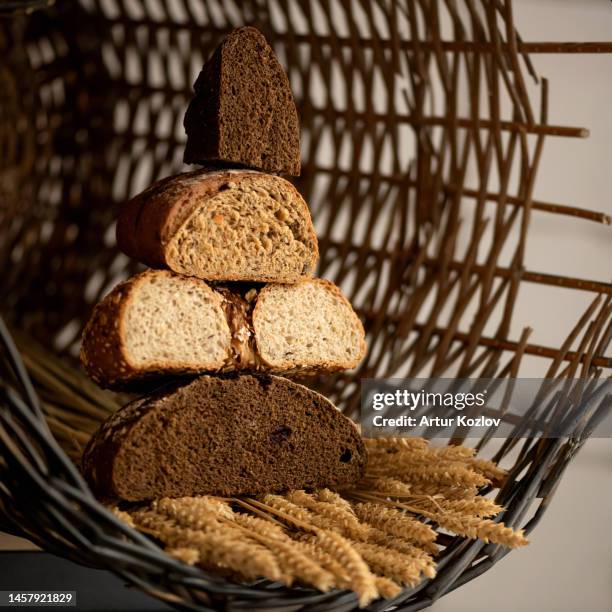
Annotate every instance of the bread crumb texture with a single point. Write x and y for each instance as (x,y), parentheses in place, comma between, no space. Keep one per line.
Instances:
(310,323)
(243,435)
(243,110)
(159,323)
(255,228)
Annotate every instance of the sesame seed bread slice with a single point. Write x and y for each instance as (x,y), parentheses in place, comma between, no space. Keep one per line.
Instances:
(158,323)
(244,435)
(231,225)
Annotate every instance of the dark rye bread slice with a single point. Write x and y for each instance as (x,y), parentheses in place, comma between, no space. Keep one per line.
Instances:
(243,111)
(222,225)
(158,324)
(245,435)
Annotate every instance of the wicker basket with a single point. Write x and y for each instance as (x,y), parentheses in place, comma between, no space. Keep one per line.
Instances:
(393,123)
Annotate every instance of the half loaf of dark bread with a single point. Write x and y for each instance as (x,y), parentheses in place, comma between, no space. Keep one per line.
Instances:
(243,111)
(245,435)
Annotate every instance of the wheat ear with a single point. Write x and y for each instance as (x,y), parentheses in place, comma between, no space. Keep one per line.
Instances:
(453,474)
(387,588)
(394,522)
(483,529)
(488,469)
(394,444)
(480,507)
(362,581)
(225,548)
(391,564)
(184,554)
(335,515)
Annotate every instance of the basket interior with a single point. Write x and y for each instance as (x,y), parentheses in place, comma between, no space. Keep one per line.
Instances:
(423,125)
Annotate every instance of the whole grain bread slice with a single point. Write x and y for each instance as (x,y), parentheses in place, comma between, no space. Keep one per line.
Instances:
(243,111)
(245,435)
(221,225)
(159,323)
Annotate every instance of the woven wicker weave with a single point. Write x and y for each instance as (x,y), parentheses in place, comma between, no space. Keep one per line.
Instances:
(421,133)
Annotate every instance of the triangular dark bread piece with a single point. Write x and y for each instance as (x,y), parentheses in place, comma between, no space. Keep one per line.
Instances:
(246,435)
(243,111)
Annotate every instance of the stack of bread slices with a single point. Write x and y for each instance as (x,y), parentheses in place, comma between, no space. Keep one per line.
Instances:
(227,308)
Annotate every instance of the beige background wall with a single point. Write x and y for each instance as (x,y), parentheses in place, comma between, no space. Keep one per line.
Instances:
(568,566)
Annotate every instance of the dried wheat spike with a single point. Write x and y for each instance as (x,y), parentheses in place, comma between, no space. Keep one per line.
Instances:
(478,506)
(331,497)
(362,581)
(387,588)
(149,519)
(185,554)
(421,552)
(409,466)
(390,563)
(402,545)
(394,522)
(394,444)
(488,469)
(227,548)
(260,526)
(433,489)
(123,516)
(483,529)
(194,512)
(325,560)
(336,515)
(295,563)
(303,518)
(287,509)
(384,485)
(447,475)
(452,453)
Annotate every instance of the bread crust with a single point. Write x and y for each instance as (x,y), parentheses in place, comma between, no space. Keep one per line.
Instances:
(97,458)
(148,222)
(102,348)
(104,353)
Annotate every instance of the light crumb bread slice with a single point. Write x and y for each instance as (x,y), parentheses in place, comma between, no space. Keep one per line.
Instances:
(310,324)
(159,323)
(231,225)
(242,435)
(155,321)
